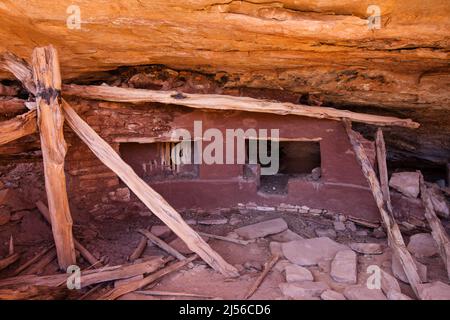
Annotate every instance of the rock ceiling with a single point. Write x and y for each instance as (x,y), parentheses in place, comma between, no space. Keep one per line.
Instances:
(314,47)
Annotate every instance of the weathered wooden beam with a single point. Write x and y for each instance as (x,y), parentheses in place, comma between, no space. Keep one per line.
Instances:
(139,284)
(18,127)
(20,69)
(161,244)
(437,230)
(382,168)
(12,106)
(83,251)
(47,80)
(395,238)
(90,277)
(145,193)
(224,102)
(136,254)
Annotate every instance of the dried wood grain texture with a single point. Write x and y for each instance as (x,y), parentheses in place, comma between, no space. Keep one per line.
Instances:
(33,293)
(82,249)
(395,238)
(20,69)
(145,193)
(18,127)
(437,230)
(9,260)
(47,80)
(139,284)
(267,267)
(382,168)
(224,102)
(90,277)
(161,244)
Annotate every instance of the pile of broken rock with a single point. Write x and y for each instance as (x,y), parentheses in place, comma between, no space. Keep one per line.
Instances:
(321,268)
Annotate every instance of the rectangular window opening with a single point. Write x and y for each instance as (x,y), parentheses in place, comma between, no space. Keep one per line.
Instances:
(297,159)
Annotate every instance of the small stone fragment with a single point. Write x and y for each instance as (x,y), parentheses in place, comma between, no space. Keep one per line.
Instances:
(296,273)
(332,295)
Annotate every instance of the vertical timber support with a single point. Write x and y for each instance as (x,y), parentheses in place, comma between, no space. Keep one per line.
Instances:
(382,168)
(395,237)
(47,79)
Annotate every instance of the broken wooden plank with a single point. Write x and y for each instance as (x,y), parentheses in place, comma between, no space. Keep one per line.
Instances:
(83,251)
(145,193)
(41,264)
(228,239)
(173,294)
(437,230)
(32,261)
(90,277)
(267,267)
(161,244)
(139,284)
(395,238)
(224,102)
(20,69)
(382,168)
(9,260)
(139,249)
(47,80)
(18,127)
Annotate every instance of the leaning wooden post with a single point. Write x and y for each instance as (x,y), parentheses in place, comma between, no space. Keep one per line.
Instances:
(382,168)
(394,235)
(145,193)
(437,230)
(47,79)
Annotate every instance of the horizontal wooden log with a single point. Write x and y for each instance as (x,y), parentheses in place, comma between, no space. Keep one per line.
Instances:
(19,68)
(18,127)
(47,79)
(34,293)
(89,277)
(145,193)
(223,102)
(12,106)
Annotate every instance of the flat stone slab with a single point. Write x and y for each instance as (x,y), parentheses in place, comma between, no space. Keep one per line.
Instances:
(295,273)
(434,291)
(343,267)
(332,295)
(406,183)
(303,290)
(367,248)
(262,229)
(161,231)
(422,245)
(399,273)
(361,292)
(309,252)
(286,236)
